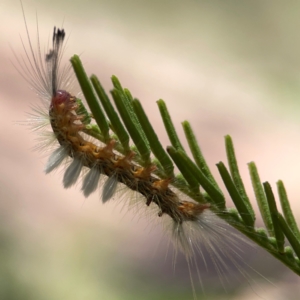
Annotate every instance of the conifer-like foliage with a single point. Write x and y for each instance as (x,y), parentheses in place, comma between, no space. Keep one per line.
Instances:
(131,129)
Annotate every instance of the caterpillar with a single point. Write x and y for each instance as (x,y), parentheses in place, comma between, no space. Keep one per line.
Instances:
(193,224)
(68,127)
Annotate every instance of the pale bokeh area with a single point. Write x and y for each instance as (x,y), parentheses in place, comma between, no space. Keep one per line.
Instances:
(229,67)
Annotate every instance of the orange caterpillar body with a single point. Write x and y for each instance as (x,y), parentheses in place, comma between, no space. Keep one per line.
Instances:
(67,127)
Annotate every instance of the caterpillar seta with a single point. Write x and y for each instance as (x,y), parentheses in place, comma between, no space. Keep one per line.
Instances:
(101,159)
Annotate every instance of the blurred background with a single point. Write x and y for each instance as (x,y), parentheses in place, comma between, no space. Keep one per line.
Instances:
(229,67)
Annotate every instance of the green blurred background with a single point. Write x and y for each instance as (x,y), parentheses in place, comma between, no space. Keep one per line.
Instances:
(229,67)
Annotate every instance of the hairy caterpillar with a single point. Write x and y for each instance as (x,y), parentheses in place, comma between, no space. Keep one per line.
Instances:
(193,224)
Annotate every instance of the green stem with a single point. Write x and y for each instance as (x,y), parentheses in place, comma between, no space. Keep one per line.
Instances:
(235,196)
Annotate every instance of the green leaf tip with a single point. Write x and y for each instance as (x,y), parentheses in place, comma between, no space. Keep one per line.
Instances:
(274,215)
(118,127)
(286,208)
(116,83)
(154,142)
(235,175)
(184,169)
(174,139)
(261,198)
(90,96)
(197,154)
(131,125)
(123,100)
